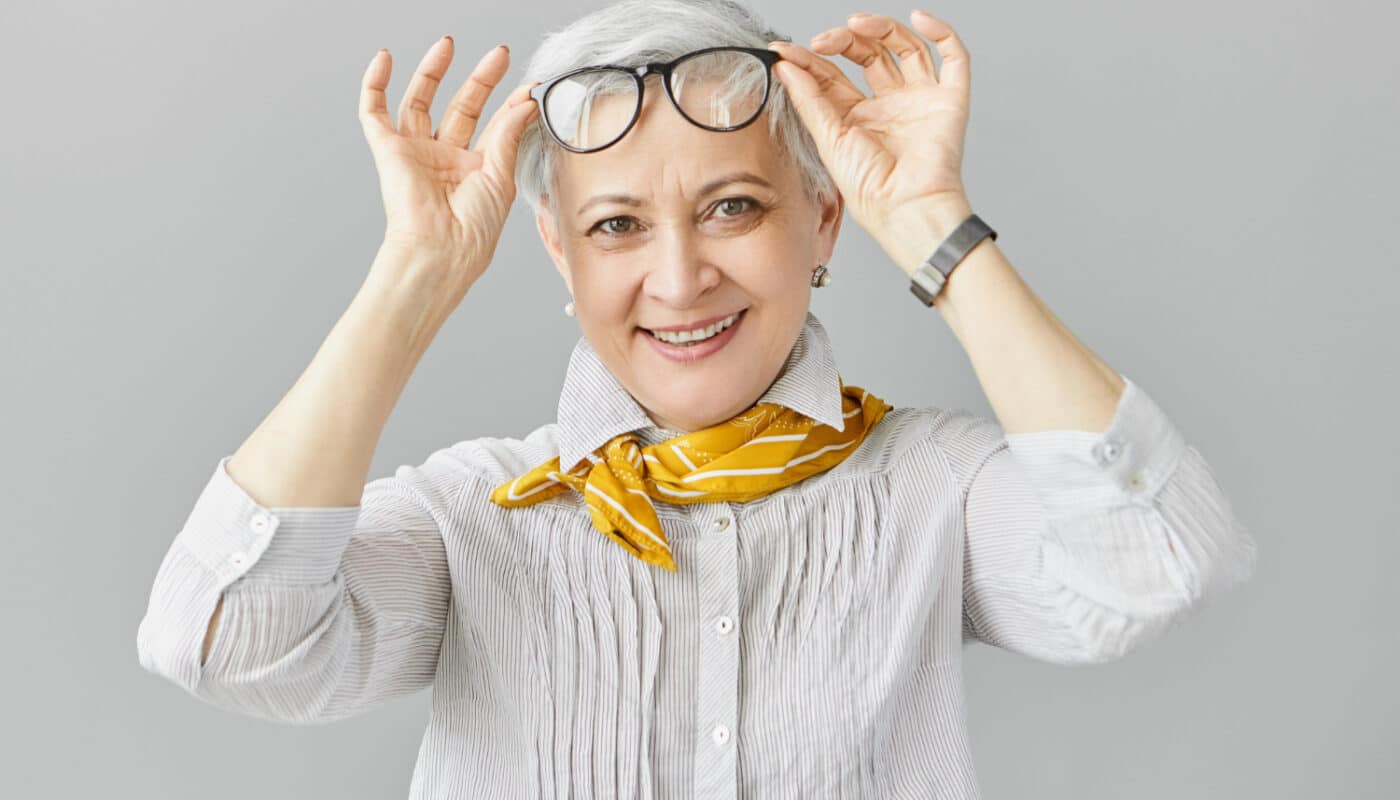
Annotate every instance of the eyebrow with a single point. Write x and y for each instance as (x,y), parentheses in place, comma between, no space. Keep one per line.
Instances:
(724,180)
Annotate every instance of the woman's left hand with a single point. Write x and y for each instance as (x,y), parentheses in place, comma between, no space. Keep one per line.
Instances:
(896,156)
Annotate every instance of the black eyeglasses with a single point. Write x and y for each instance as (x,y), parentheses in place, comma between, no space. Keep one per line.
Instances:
(717,88)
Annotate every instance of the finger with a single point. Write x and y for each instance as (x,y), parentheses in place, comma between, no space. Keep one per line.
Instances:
(881,69)
(830,79)
(413,109)
(956,68)
(817,112)
(915,59)
(374,112)
(500,139)
(460,118)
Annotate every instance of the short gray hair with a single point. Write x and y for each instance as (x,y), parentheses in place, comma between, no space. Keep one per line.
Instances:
(634,32)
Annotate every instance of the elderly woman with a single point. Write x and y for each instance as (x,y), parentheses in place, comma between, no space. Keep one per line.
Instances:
(722,570)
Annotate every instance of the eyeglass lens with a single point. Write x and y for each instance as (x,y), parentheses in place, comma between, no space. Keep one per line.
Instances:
(719,89)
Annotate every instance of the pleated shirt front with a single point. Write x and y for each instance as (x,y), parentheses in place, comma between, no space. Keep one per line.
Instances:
(810,644)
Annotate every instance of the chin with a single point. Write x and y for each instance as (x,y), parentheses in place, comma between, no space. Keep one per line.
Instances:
(685,414)
(701,397)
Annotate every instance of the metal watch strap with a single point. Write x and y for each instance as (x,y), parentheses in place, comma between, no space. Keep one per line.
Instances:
(927,281)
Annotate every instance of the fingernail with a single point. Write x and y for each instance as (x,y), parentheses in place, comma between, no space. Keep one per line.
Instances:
(856,15)
(449,38)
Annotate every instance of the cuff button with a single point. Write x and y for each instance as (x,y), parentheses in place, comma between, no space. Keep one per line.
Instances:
(1136,483)
(258,523)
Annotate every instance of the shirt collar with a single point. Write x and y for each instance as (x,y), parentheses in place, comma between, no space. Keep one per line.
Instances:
(594,407)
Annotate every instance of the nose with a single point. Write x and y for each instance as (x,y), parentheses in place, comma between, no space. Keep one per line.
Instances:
(680,275)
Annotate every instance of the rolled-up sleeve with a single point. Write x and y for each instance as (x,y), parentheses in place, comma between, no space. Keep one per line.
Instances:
(327,611)
(1079,545)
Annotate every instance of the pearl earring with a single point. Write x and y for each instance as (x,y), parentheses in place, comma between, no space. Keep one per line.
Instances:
(821,276)
(569,308)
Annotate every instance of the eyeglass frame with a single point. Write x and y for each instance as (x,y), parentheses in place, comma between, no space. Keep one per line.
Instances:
(539,91)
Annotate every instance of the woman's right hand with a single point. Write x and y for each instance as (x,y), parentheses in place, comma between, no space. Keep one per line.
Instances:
(445,203)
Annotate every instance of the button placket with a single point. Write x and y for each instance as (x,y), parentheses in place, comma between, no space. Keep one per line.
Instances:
(717,678)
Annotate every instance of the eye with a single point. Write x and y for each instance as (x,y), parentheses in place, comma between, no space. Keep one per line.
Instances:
(737,205)
(603,225)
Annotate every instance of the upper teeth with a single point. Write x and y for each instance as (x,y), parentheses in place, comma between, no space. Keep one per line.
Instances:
(681,337)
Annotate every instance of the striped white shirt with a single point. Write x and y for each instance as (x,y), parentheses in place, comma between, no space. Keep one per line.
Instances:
(810,644)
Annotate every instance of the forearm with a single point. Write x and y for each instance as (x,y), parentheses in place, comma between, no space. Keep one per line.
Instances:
(315,447)
(1036,374)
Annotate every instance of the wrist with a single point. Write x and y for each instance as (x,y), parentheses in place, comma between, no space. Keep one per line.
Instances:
(412,290)
(419,274)
(915,231)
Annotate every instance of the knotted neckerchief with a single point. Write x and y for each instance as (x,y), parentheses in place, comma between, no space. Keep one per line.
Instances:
(761,450)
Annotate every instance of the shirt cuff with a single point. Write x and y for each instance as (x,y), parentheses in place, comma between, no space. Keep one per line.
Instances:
(236,537)
(1129,461)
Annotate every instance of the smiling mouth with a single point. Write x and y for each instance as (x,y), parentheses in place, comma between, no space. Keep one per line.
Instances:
(685,340)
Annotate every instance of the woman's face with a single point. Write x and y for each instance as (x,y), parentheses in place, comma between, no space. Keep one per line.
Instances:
(677,226)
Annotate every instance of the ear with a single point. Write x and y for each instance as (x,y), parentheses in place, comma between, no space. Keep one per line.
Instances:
(549,235)
(831,210)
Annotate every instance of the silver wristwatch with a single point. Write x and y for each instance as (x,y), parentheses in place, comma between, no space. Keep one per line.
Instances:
(929,278)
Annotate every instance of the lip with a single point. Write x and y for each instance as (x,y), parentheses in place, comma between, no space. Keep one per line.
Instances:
(704,323)
(686,354)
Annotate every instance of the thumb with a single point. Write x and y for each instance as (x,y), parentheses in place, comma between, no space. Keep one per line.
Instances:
(815,109)
(500,142)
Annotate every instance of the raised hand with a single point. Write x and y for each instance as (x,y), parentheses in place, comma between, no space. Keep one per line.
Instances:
(445,202)
(896,155)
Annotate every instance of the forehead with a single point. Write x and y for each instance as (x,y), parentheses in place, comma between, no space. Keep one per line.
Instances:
(665,153)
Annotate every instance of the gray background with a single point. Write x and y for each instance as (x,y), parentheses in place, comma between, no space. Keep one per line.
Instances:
(1202,191)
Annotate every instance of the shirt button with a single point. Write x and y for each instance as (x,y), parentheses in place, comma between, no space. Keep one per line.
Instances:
(258,523)
(724,624)
(1105,451)
(238,559)
(720,734)
(1136,483)
(722,523)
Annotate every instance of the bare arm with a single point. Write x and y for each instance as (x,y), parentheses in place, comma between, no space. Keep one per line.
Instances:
(316,445)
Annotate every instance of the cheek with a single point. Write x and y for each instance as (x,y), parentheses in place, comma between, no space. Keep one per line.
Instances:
(785,273)
(784,251)
(608,295)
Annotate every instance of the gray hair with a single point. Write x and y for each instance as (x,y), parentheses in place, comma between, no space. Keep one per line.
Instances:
(634,32)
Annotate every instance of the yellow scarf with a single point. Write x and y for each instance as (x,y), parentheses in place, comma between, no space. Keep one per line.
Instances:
(765,448)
